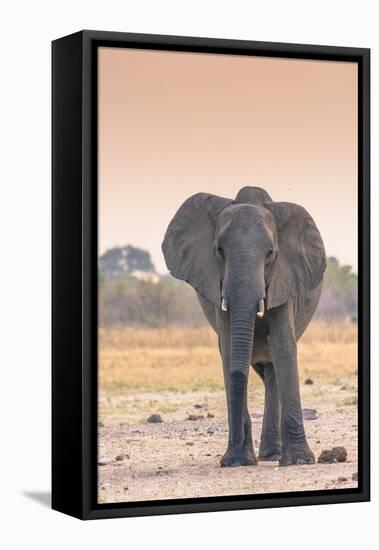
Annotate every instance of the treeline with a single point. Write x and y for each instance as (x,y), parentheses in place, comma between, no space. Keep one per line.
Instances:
(339,298)
(124,299)
(129,301)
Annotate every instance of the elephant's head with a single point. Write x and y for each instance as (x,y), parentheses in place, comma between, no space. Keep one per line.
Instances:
(237,253)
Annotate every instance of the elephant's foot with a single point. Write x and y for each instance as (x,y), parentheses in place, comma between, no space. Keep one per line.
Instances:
(273,453)
(296,454)
(239,456)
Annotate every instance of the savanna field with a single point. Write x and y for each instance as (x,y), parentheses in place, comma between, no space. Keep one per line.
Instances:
(176,373)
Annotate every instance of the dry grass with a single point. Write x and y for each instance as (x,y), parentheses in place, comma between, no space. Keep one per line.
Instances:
(179,360)
(162,338)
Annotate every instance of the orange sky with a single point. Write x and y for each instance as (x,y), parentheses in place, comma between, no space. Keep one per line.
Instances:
(172,124)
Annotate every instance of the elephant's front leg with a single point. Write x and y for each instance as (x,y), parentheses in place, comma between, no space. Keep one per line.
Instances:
(240,450)
(295,448)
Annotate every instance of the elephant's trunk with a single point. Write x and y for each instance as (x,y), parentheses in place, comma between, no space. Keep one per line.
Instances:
(242,335)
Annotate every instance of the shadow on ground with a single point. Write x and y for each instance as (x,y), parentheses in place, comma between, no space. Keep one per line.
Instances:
(42,497)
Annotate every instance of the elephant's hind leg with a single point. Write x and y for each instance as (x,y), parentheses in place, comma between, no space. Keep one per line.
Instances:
(271,445)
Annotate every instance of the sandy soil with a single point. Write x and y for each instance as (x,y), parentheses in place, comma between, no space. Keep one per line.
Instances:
(179,458)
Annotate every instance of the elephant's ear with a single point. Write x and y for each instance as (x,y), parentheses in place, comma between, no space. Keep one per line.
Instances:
(188,244)
(301,259)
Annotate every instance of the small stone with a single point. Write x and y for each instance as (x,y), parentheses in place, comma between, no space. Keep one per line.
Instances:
(126,488)
(190,443)
(337,454)
(318,441)
(340,453)
(210,431)
(343,388)
(327,457)
(155,418)
(103,488)
(309,381)
(162,471)
(194,417)
(198,406)
(354,477)
(100,424)
(210,415)
(208,454)
(310,414)
(257,414)
(342,479)
(103,462)
(122,456)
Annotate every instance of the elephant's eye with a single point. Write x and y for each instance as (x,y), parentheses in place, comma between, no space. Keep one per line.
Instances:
(269,254)
(220,252)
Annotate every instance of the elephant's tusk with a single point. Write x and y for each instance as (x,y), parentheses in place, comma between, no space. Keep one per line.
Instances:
(224,304)
(261,308)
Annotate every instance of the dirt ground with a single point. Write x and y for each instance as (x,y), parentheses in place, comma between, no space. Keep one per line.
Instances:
(179,458)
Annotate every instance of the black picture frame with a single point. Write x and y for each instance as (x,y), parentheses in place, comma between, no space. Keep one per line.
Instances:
(74,273)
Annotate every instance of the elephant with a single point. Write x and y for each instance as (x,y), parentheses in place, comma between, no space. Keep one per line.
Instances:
(257,267)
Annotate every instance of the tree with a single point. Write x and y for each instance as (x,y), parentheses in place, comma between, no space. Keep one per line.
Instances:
(124,260)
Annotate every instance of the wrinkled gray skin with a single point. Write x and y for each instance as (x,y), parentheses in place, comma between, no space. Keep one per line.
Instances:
(243,251)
